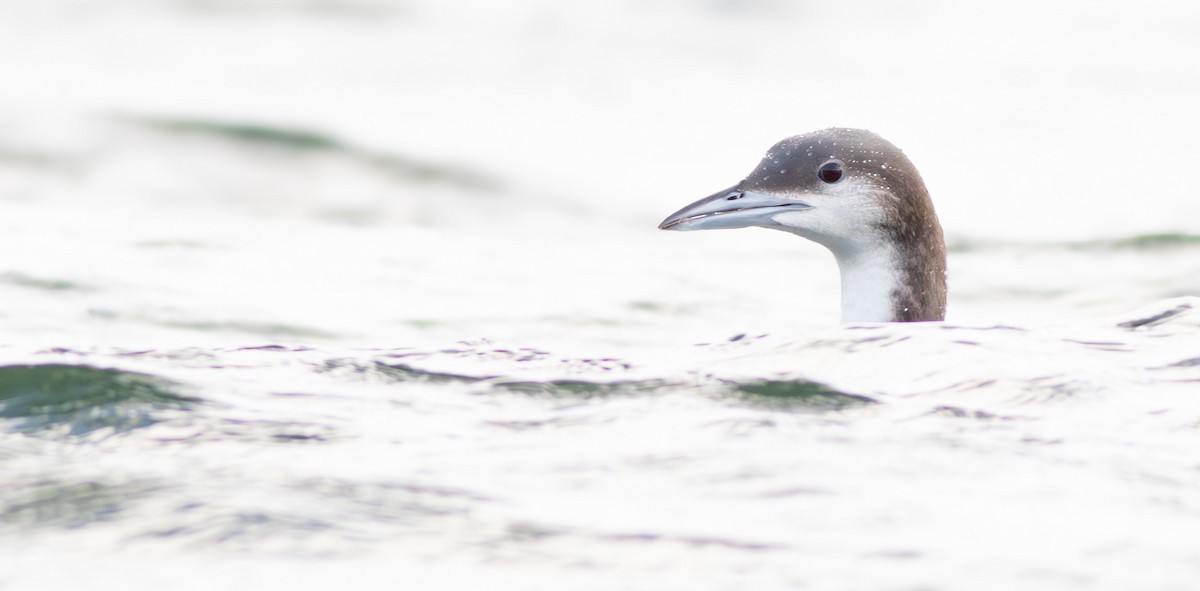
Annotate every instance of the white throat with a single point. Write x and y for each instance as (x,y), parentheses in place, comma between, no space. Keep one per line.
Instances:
(870,279)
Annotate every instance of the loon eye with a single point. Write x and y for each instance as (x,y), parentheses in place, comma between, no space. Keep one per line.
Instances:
(830,172)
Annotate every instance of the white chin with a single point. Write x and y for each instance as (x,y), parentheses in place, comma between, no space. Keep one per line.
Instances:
(795,218)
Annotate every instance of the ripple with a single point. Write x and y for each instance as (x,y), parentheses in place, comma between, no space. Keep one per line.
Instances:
(76,400)
(586,389)
(795,395)
(303,140)
(69,504)
(43,283)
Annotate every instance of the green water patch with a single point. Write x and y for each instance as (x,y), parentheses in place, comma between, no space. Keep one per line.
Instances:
(584,389)
(562,388)
(76,400)
(68,504)
(405,373)
(771,394)
(1139,242)
(307,141)
(793,395)
(290,138)
(42,283)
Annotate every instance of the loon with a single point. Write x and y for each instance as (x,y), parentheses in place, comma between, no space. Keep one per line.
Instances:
(857,195)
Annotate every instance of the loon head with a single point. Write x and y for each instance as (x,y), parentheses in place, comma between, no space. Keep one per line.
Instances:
(859,196)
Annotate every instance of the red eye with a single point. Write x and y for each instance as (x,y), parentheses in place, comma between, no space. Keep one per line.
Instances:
(830,172)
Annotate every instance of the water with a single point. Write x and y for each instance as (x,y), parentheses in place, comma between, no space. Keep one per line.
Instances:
(363,294)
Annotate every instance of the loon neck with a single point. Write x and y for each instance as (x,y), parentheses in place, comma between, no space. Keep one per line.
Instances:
(889,284)
(869,278)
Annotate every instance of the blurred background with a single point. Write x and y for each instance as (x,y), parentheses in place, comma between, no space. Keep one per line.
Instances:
(1032,113)
(388,161)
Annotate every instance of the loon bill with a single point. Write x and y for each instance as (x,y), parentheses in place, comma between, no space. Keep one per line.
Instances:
(859,196)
